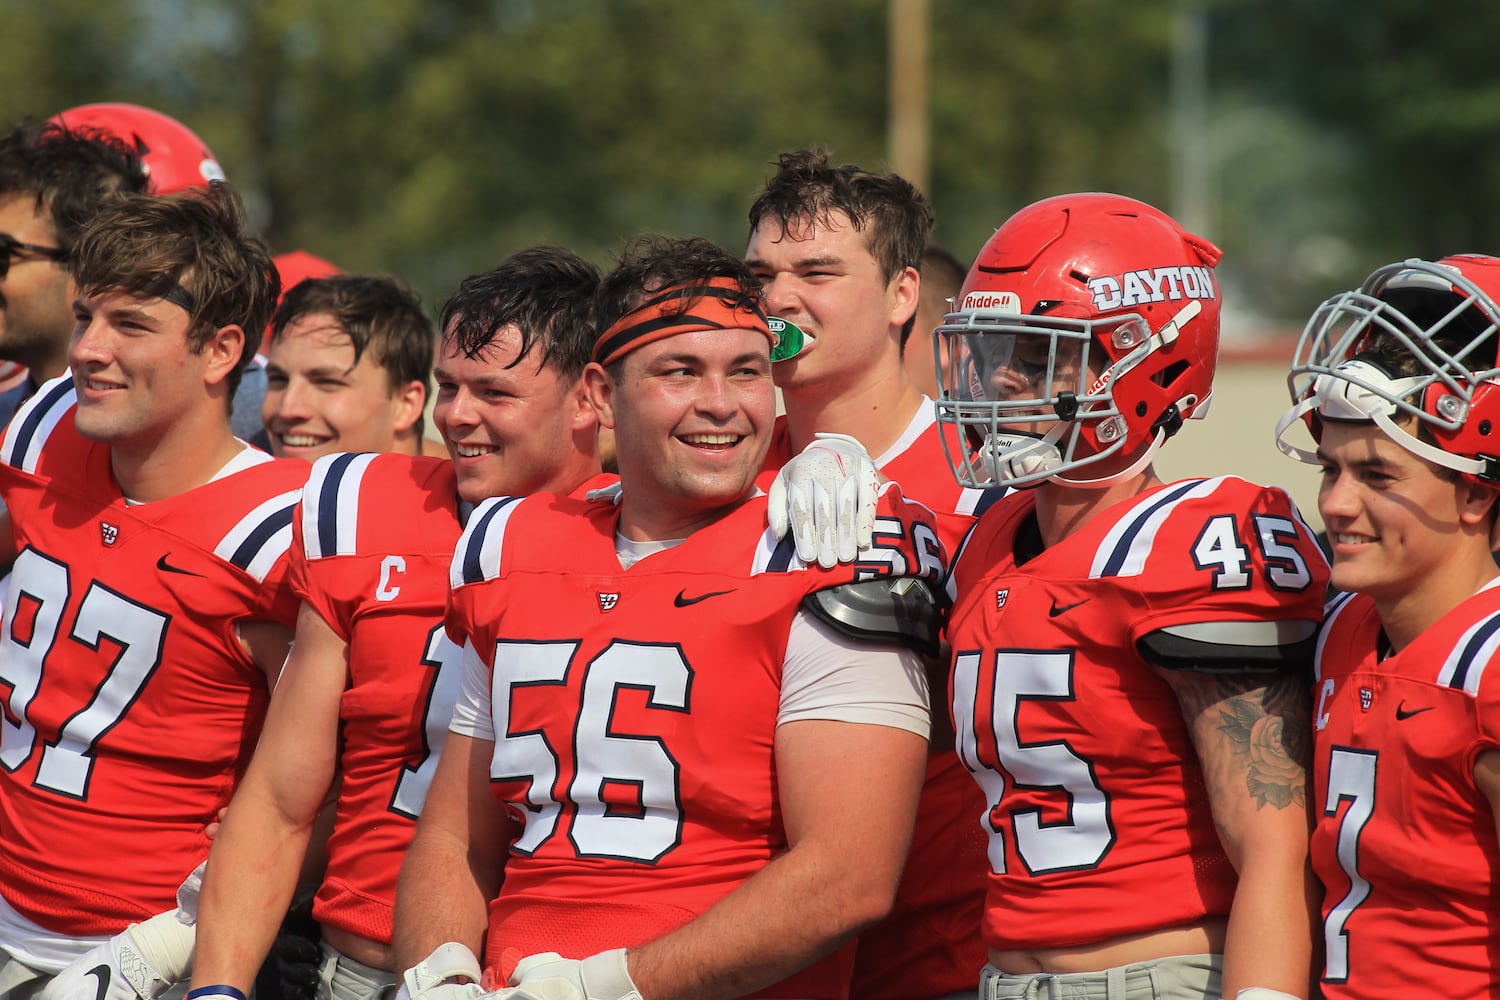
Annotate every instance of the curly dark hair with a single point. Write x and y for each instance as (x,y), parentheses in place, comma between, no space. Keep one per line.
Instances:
(806,189)
(652,262)
(70,173)
(545,292)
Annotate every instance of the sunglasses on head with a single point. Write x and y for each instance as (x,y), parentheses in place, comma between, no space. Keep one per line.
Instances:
(11,248)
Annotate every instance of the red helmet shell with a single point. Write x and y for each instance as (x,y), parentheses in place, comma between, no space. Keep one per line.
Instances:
(174,157)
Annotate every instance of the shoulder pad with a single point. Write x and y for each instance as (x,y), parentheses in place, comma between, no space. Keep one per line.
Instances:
(900,609)
(1233,647)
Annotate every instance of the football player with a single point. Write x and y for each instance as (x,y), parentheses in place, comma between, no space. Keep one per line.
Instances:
(837,250)
(670,726)
(1129,655)
(1397,380)
(53,179)
(348,368)
(148,609)
(368,691)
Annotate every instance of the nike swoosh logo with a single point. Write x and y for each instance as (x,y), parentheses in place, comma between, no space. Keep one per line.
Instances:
(167,567)
(1402,712)
(683,601)
(1058,609)
(101,973)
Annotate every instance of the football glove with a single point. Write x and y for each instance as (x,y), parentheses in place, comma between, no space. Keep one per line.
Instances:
(143,960)
(296,958)
(549,976)
(451,972)
(826,498)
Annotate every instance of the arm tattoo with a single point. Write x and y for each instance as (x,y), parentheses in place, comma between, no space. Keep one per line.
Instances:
(1265,723)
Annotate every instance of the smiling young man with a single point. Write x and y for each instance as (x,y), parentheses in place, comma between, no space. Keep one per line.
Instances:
(1397,380)
(147,610)
(657,781)
(347,368)
(369,689)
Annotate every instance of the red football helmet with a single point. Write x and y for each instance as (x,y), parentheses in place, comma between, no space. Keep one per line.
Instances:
(1417,341)
(1088,328)
(174,157)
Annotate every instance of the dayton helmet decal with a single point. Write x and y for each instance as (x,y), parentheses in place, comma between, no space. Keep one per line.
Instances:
(1156,284)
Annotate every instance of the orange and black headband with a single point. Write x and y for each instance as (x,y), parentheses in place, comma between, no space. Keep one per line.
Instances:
(712,307)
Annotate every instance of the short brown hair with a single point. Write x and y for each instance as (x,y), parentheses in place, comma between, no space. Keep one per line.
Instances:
(887,208)
(194,248)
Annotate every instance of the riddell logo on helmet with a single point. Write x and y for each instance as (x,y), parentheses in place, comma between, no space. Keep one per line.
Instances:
(1157,284)
(996,301)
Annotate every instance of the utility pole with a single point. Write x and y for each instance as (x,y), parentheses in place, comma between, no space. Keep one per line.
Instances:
(908,129)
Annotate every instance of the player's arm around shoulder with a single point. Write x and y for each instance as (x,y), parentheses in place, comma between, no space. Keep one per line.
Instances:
(257,856)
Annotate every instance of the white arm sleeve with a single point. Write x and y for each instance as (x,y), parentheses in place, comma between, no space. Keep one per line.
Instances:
(472,714)
(827,675)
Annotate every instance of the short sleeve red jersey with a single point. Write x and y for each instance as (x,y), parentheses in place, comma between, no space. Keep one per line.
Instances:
(130,706)
(1405,842)
(928,945)
(1098,818)
(634,713)
(374,539)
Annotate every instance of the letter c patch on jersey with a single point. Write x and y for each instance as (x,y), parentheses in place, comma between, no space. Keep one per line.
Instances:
(607,602)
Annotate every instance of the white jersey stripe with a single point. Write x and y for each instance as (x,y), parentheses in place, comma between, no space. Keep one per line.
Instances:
(261,536)
(330,505)
(1129,543)
(34,422)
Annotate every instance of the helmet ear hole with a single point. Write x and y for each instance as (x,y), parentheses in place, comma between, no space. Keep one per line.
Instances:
(1170,374)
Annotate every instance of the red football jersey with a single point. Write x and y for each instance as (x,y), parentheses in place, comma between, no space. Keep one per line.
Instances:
(374,539)
(1405,843)
(635,712)
(1098,818)
(130,708)
(929,945)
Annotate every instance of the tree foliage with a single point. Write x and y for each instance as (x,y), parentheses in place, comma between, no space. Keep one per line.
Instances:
(429,138)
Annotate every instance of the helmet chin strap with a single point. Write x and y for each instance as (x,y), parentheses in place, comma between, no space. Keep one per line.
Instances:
(1134,469)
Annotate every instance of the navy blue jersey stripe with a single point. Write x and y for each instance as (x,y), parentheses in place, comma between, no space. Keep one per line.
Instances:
(988,499)
(1140,517)
(328,504)
(1476,642)
(256,540)
(473,569)
(781,558)
(34,417)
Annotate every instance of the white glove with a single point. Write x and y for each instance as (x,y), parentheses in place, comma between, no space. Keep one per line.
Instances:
(143,960)
(1263,993)
(826,497)
(441,975)
(549,976)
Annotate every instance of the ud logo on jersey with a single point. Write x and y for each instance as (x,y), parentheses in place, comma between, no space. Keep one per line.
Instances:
(1001,596)
(1366,699)
(108,533)
(607,602)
